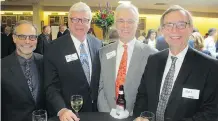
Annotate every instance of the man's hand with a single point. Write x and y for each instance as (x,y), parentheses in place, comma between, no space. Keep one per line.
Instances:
(141,119)
(67,115)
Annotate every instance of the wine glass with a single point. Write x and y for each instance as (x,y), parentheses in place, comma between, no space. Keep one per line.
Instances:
(39,115)
(148,115)
(76,103)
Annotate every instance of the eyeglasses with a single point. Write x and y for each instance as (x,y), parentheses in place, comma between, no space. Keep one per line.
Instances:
(179,25)
(121,21)
(24,37)
(83,20)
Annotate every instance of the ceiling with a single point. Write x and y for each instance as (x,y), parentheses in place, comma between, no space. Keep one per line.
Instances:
(209,6)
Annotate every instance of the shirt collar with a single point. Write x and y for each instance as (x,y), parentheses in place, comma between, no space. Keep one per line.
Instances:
(181,55)
(77,42)
(22,60)
(130,44)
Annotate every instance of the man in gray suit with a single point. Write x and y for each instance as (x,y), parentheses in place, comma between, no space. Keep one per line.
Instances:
(112,59)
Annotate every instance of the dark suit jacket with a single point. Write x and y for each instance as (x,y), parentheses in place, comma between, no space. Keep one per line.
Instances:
(7,45)
(59,34)
(198,71)
(42,43)
(66,32)
(17,101)
(64,79)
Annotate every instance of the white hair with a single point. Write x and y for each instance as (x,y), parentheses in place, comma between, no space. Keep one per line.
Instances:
(80,7)
(128,6)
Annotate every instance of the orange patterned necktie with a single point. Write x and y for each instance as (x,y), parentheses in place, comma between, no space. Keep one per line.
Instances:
(121,76)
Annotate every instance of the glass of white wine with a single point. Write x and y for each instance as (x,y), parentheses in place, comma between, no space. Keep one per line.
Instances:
(76,103)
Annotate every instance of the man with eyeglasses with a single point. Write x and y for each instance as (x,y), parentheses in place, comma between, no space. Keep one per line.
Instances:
(72,66)
(22,76)
(179,84)
(122,62)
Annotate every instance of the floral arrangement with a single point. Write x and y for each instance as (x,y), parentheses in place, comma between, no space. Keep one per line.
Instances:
(104,18)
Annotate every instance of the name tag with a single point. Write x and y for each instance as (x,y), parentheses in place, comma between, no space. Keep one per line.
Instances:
(111,54)
(71,57)
(190,93)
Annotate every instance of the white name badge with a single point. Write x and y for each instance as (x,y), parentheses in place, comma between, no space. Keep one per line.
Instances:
(71,57)
(111,54)
(190,93)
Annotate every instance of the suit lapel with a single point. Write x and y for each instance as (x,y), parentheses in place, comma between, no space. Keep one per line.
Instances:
(68,49)
(111,70)
(184,72)
(19,76)
(136,55)
(91,48)
(39,66)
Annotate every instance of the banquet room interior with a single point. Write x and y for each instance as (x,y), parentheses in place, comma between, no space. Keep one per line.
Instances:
(54,12)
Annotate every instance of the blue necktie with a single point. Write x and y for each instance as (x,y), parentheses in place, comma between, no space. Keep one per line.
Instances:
(85,62)
(166,91)
(28,76)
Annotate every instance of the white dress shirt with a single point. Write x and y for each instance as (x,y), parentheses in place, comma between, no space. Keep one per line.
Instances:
(152,43)
(77,44)
(120,50)
(178,64)
(210,45)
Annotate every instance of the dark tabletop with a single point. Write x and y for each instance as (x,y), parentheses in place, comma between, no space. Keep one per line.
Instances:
(95,116)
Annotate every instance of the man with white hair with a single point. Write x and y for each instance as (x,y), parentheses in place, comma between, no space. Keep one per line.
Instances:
(122,62)
(72,66)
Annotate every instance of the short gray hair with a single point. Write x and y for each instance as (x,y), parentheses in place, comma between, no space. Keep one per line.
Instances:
(23,22)
(128,6)
(176,8)
(80,7)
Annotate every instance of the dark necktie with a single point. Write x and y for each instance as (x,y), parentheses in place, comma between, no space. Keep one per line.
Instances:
(166,91)
(28,76)
(85,62)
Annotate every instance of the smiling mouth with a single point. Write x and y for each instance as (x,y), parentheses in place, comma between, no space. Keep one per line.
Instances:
(175,37)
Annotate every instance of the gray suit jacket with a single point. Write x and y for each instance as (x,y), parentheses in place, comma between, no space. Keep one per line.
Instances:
(106,97)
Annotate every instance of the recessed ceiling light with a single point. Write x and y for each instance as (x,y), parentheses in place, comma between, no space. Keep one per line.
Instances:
(121,1)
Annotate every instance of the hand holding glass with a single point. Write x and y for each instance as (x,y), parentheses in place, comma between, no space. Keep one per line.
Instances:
(76,103)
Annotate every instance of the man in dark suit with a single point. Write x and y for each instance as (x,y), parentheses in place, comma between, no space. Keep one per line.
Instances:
(22,74)
(72,66)
(8,45)
(61,31)
(43,40)
(179,84)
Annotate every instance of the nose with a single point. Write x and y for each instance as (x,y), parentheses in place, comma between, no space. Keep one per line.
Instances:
(126,24)
(174,28)
(27,40)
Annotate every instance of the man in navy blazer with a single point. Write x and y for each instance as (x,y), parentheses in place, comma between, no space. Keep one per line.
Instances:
(180,83)
(65,72)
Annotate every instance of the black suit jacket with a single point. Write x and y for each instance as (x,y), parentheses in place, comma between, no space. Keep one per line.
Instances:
(59,34)
(42,43)
(198,71)
(17,102)
(64,79)
(7,45)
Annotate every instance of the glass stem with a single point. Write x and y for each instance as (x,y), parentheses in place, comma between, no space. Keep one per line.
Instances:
(77,114)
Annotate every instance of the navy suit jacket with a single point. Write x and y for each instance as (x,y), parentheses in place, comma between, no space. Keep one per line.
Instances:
(64,79)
